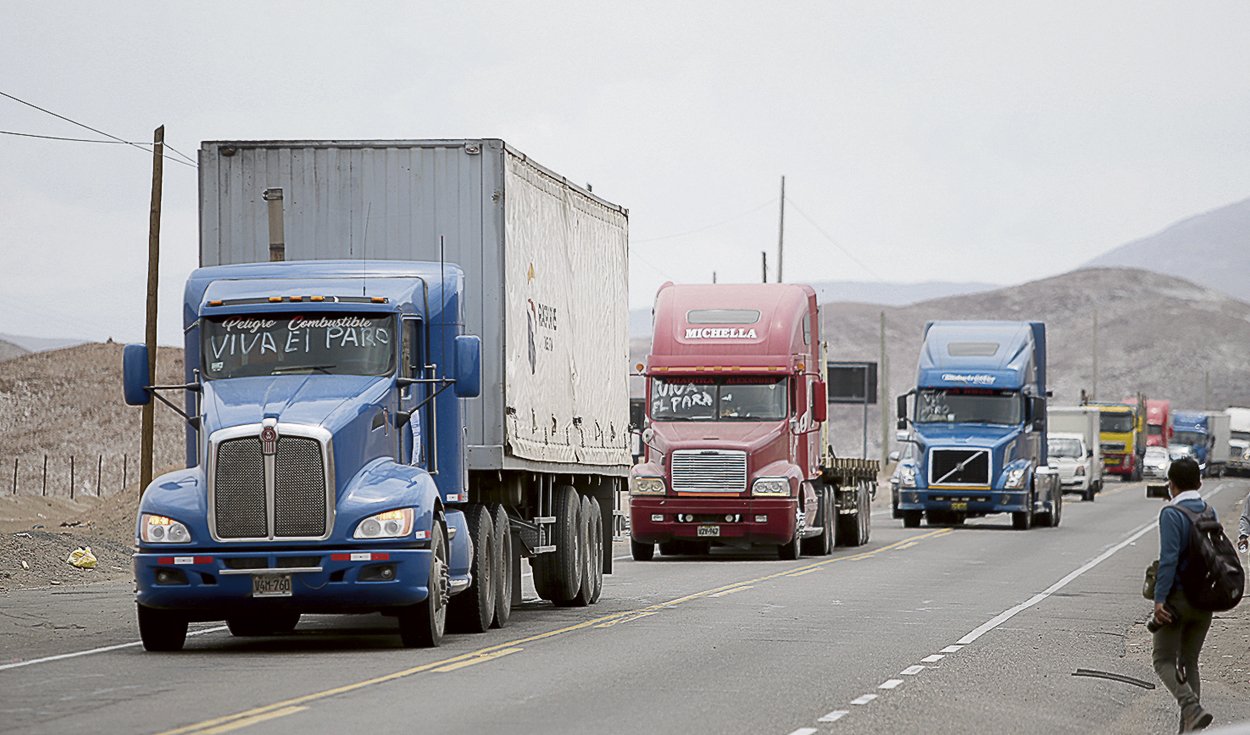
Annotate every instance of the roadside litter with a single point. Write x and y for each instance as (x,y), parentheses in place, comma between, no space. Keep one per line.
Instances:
(82,558)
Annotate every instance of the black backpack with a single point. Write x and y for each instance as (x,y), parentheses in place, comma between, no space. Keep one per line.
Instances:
(1213,579)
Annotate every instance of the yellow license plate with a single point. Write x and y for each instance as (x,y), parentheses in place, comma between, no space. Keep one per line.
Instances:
(959,506)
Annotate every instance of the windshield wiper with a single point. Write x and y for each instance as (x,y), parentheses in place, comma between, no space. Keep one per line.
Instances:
(296,368)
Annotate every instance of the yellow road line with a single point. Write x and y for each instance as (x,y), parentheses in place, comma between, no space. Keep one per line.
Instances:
(735,589)
(207,726)
(805,571)
(907,545)
(629,619)
(253,720)
(470,662)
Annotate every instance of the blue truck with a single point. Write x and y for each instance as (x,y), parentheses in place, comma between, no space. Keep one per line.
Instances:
(977,417)
(1207,434)
(425,393)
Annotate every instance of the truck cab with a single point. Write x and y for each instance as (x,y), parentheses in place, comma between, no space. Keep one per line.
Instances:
(324,462)
(1122,433)
(1159,423)
(735,411)
(978,418)
(1192,429)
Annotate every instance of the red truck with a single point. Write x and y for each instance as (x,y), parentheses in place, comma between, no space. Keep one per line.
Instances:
(1158,423)
(735,451)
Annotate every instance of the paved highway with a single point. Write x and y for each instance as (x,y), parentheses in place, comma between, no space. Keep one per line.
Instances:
(948,629)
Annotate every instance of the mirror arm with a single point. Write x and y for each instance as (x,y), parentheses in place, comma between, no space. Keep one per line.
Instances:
(194,421)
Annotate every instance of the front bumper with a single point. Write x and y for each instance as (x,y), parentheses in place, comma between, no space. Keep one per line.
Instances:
(777,528)
(214,583)
(970,500)
(1118,464)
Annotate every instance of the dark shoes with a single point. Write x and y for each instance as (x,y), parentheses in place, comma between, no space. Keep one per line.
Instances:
(1194,717)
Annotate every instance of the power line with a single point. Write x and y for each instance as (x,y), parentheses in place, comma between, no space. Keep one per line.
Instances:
(835,243)
(94,130)
(60,137)
(737,216)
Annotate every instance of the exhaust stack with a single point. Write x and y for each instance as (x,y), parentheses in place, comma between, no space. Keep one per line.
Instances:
(277,235)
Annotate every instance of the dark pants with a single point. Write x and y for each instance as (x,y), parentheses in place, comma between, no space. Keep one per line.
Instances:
(1181,642)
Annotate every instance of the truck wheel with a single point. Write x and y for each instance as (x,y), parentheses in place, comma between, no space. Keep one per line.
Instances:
(592,573)
(422,625)
(245,626)
(792,550)
(865,515)
(641,551)
(566,561)
(161,630)
(851,527)
(1056,515)
(473,610)
(1022,521)
(1088,495)
(822,545)
(503,573)
(911,518)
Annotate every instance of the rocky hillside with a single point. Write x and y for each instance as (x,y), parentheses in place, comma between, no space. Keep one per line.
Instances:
(8,350)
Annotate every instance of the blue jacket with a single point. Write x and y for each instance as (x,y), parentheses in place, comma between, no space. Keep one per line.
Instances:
(1174,529)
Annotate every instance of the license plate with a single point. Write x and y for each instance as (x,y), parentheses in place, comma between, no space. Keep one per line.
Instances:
(709,531)
(959,506)
(271,585)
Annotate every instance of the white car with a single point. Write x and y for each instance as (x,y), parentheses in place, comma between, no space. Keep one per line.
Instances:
(1074,460)
(1156,463)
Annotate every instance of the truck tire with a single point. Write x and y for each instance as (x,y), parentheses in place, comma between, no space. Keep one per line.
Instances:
(1088,495)
(161,630)
(1022,521)
(641,551)
(822,545)
(851,527)
(592,573)
(473,610)
(911,518)
(245,626)
(422,625)
(793,549)
(503,574)
(563,567)
(865,515)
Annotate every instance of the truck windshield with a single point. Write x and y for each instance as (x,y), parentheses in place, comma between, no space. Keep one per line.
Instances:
(1154,430)
(1196,438)
(719,399)
(278,344)
(1115,423)
(1064,448)
(968,406)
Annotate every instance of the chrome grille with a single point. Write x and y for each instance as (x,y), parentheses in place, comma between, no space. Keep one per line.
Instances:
(299,492)
(959,467)
(1112,446)
(709,470)
(239,496)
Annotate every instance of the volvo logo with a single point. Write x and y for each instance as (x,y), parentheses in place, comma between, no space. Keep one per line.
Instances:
(269,440)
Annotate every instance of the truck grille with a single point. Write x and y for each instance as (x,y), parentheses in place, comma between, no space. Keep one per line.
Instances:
(945,467)
(709,471)
(242,495)
(1112,447)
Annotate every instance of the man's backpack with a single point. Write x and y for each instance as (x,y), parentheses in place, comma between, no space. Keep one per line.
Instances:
(1213,579)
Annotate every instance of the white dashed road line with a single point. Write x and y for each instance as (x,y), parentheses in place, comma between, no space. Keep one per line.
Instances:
(103,649)
(891,684)
(932,659)
(912,670)
(834,716)
(863,699)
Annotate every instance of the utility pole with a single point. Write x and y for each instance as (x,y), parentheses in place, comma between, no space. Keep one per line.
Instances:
(1093,394)
(154,249)
(883,401)
(781,229)
(764,266)
(1206,390)
(713,276)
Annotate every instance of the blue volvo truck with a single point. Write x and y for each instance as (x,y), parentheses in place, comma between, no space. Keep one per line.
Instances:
(429,389)
(978,419)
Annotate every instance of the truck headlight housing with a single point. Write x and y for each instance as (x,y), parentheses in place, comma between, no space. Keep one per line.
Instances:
(907,477)
(1016,478)
(1080,470)
(158,529)
(390,524)
(647,486)
(770,486)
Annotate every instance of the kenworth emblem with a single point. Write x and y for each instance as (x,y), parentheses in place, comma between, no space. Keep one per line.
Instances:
(269,441)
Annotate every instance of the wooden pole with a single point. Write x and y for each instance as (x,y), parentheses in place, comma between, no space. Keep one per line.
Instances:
(45,475)
(99,470)
(883,388)
(154,249)
(15,475)
(71,477)
(1093,393)
(764,266)
(781,229)
(125,470)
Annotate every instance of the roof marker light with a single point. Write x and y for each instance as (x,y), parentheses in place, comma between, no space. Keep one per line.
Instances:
(297,298)
(275,299)
(316,298)
(215,302)
(378,299)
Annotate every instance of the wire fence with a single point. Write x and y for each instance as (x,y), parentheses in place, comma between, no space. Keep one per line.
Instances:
(70,476)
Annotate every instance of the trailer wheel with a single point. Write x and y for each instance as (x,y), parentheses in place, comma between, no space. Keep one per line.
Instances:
(1088,495)
(422,625)
(563,567)
(244,626)
(851,527)
(473,610)
(161,630)
(641,551)
(911,518)
(865,515)
(592,573)
(503,574)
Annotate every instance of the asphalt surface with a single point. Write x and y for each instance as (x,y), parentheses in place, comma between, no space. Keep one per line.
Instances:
(967,629)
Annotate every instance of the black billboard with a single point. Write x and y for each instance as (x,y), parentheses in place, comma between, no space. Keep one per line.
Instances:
(852,382)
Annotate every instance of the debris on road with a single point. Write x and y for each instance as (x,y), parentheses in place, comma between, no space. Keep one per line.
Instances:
(82,558)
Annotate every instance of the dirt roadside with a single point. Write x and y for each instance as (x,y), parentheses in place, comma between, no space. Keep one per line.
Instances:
(37,535)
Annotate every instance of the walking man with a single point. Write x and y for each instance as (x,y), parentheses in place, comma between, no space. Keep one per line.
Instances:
(1243,528)
(1179,639)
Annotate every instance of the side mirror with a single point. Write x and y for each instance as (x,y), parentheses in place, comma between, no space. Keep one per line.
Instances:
(901,423)
(820,401)
(1037,412)
(894,456)
(468,373)
(135,375)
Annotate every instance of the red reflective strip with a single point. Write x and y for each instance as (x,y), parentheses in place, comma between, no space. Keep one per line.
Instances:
(381,557)
(203,560)
(164,560)
(340,557)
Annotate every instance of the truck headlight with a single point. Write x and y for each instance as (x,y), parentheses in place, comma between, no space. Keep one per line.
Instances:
(391,524)
(1080,470)
(770,486)
(647,486)
(156,529)
(1016,478)
(907,477)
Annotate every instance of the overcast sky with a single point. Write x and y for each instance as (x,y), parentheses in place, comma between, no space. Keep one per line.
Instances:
(988,141)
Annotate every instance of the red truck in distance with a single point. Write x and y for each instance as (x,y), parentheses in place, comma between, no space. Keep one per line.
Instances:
(736,450)
(1158,423)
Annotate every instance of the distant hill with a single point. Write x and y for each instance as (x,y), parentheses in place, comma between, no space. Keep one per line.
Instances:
(891,294)
(1156,334)
(39,344)
(1211,249)
(9,350)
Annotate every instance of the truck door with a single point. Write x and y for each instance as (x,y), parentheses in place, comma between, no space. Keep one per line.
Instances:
(411,447)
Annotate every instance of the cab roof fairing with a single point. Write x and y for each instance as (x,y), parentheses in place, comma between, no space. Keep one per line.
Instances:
(404,285)
(779,329)
(1020,345)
